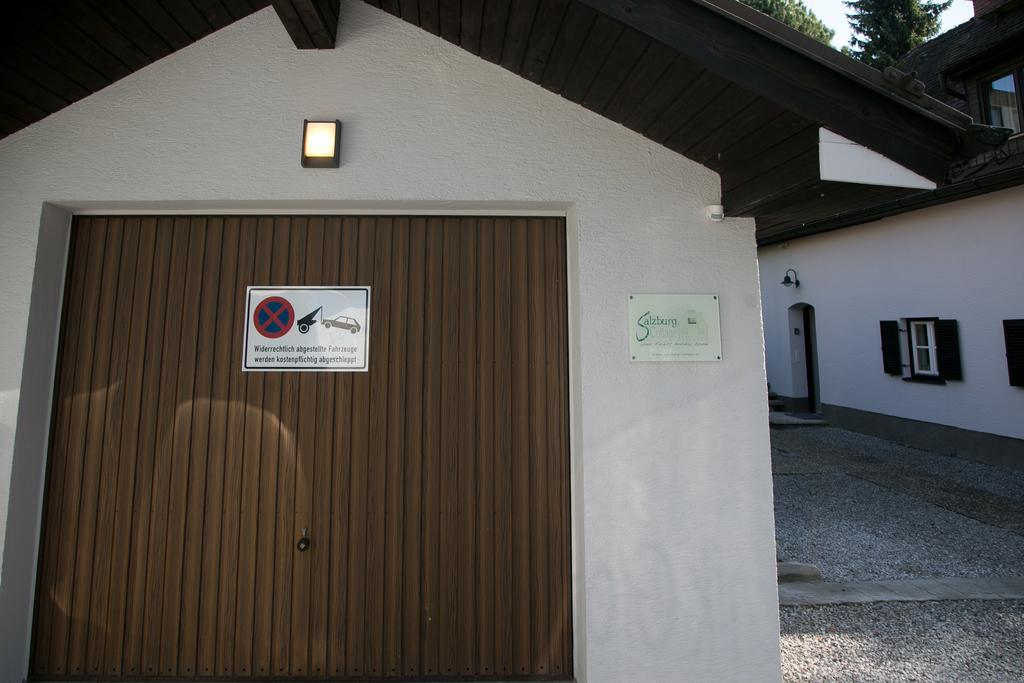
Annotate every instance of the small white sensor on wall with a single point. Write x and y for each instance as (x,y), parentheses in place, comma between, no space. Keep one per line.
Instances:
(321,144)
(715,212)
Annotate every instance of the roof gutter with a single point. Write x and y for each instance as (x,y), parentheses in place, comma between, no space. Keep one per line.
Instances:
(893,88)
(889,115)
(896,85)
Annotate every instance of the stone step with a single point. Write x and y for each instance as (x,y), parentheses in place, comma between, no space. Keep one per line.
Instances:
(790,572)
(781,419)
(907,590)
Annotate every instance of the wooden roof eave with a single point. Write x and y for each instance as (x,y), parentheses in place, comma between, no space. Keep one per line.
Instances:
(311,24)
(812,80)
(713,80)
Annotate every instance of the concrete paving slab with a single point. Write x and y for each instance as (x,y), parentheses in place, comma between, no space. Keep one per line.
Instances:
(786,420)
(910,590)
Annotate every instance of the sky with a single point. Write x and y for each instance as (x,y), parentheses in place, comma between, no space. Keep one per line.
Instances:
(833,14)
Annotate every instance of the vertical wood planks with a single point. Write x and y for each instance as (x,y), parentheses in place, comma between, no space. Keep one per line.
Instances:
(430,608)
(92,468)
(522,588)
(252,448)
(83,384)
(485,510)
(538,452)
(503,537)
(124,512)
(309,235)
(231,499)
(556,447)
(358,543)
(337,601)
(434,488)
(228,303)
(110,467)
(323,473)
(178,482)
(447,617)
(194,543)
(412,477)
(466,459)
(377,454)
(268,547)
(44,659)
(136,620)
(394,476)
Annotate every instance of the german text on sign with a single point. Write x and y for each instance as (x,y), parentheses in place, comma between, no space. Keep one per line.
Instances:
(325,329)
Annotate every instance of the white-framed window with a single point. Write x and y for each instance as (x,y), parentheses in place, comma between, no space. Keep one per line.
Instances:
(922,348)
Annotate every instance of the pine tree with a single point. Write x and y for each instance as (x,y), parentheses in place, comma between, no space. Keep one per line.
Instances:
(885,30)
(794,13)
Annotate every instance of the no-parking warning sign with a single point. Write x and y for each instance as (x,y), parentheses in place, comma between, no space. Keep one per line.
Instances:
(318,329)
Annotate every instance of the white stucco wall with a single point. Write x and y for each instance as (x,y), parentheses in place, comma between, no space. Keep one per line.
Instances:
(674,540)
(959,261)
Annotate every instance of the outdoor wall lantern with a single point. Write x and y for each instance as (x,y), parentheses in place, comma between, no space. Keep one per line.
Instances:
(321,144)
(790,281)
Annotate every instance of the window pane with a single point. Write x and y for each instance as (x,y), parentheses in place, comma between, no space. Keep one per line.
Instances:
(1001,101)
(920,334)
(924,361)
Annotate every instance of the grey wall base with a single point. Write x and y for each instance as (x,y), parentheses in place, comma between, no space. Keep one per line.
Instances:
(980,446)
(800,404)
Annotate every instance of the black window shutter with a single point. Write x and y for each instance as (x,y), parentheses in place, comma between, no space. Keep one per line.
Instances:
(947,348)
(1013,331)
(891,347)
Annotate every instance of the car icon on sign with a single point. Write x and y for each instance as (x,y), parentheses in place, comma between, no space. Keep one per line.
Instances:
(343,322)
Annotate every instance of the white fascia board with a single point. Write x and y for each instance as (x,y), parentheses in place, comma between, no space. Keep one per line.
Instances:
(845,161)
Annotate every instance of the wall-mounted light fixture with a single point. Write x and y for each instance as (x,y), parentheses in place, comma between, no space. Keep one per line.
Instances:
(790,281)
(321,144)
(715,212)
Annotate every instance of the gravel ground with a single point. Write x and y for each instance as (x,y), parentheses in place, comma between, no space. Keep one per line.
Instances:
(963,642)
(864,509)
(830,440)
(786,462)
(854,530)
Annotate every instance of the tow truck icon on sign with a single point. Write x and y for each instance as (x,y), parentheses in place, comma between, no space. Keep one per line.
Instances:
(341,322)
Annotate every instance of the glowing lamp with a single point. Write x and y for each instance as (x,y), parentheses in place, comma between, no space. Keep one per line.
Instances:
(321,144)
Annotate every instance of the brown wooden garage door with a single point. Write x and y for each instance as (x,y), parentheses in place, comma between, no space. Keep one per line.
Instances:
(434,488)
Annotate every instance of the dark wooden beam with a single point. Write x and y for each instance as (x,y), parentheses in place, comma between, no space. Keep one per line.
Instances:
(312,24)
(767,60)
(772,231)
(821,200)
(790,176)
(778,146)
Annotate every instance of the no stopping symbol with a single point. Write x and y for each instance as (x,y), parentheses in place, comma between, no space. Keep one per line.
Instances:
(273,317)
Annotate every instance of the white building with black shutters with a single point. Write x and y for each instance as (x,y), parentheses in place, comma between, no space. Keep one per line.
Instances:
(908,320)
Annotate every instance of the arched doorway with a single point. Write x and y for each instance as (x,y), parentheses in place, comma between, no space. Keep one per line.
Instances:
(804,355)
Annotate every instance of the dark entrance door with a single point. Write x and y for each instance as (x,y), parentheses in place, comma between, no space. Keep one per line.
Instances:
(433,489)
(811,362)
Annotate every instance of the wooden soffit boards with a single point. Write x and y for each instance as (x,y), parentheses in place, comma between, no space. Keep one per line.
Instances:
(55,53)
(813,81)
(713,80)
(311,24)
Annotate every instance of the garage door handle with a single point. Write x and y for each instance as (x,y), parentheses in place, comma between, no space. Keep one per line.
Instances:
(304,543)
